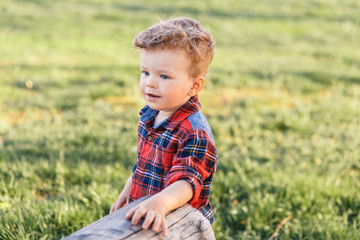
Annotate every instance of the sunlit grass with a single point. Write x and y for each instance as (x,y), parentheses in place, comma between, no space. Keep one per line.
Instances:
(282,97)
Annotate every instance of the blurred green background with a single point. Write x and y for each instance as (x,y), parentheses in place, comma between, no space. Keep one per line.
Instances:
(282,97)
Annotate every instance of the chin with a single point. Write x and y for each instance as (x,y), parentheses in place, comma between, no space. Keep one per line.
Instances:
(152,106)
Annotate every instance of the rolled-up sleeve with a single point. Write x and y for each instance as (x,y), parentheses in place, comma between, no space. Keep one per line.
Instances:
(195,162)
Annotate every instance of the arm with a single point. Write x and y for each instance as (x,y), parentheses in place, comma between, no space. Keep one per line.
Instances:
(194,161)
(123,198)
(156,207)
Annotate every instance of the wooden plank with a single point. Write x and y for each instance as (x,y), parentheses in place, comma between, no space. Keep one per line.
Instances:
(183,223)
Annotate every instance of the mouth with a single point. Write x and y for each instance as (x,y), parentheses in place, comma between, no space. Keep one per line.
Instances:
(152,95)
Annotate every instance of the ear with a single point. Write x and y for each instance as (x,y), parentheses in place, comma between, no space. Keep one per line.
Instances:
(198,84)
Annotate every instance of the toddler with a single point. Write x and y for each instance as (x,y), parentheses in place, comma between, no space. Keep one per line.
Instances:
(176,153)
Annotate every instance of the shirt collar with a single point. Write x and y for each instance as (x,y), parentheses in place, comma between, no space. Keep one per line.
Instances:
(191,106)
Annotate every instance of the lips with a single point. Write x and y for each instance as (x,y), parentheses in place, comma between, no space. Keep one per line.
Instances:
(152,95)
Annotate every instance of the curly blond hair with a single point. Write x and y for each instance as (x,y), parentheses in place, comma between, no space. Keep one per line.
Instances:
(184,33)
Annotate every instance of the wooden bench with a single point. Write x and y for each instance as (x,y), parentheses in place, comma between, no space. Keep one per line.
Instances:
(183,223)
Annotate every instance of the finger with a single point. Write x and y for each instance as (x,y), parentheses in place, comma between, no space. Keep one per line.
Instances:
(131,212)
(164,227)
(139,213)
(157,223)
(112,209)
(148,219)
(116,206)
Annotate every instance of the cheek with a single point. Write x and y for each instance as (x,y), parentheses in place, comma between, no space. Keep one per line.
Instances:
(141,84)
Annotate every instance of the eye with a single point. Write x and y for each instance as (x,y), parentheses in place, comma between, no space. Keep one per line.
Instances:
(164,77)
(145,73)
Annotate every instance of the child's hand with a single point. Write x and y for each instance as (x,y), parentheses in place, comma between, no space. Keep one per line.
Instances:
(120,202)
(124,196)
(153,210)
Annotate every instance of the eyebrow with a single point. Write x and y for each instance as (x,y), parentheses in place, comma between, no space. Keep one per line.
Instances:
(142,67)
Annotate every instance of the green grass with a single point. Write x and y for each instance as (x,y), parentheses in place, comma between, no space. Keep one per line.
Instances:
(282,97)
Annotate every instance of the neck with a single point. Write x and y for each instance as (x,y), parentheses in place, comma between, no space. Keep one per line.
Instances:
(161,116)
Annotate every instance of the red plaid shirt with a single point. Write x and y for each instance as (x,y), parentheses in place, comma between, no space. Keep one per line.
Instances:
(179,148)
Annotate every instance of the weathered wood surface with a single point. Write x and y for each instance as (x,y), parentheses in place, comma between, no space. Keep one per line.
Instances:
(183,223)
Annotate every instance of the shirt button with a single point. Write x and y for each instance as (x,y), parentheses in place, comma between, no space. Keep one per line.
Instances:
(149,138)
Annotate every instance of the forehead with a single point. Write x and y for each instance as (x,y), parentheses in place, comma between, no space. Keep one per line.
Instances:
(164,58)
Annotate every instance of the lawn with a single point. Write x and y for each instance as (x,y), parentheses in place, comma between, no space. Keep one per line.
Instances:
(282,97)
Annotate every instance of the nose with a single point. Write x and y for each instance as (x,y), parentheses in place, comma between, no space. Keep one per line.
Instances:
(151,81)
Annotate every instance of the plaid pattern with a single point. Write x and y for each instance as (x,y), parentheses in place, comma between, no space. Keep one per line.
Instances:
(176,149)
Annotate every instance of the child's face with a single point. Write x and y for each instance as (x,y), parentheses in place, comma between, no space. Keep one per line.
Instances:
(165,82)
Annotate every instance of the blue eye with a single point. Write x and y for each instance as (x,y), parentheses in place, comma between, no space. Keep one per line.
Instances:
(164,77)
(146,73)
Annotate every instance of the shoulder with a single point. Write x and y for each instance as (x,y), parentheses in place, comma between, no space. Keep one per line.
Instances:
(198,123)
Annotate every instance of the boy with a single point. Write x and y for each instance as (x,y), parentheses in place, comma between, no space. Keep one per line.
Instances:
(176,152)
